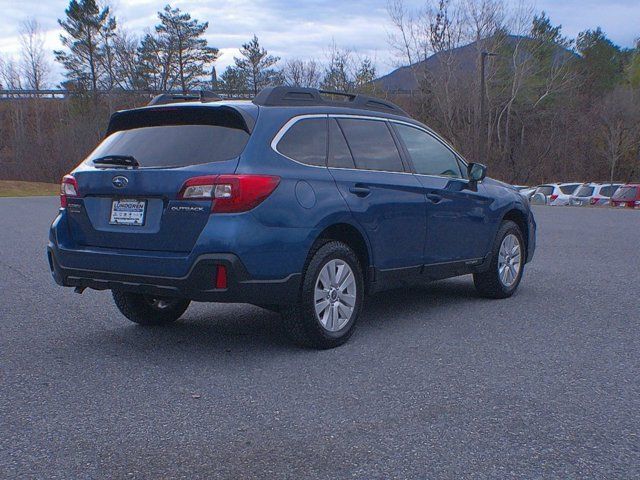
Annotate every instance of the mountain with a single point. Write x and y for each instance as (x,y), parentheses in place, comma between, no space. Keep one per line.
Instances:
(465,58)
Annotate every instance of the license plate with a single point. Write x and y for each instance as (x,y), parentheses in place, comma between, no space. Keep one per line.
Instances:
(622,205)
(128,211)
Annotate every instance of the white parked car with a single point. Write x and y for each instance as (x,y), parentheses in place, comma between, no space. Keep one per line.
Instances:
(526,192)
(596,194)
(557,193)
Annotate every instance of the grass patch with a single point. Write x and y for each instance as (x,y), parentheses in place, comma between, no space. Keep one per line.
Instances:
(14,188)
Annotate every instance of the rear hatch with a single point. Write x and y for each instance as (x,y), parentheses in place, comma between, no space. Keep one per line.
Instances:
(625,196)
(128,186)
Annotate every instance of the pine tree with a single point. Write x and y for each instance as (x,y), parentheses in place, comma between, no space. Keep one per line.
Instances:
(255,67)
(86,27)
(177,55)
(602,61)
(233,82)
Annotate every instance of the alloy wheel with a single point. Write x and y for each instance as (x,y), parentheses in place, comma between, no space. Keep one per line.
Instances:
(335,295)
(509,260)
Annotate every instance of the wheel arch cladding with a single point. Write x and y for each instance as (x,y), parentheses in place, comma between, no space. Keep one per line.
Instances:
(351,236)
(520,219)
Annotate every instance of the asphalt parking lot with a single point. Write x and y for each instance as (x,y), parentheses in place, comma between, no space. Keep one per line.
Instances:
(436,382)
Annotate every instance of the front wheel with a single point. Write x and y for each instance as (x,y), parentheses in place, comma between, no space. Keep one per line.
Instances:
(149,309)
(507,263)
(330,298)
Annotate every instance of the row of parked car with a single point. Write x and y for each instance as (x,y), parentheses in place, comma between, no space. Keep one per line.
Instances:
(583,194)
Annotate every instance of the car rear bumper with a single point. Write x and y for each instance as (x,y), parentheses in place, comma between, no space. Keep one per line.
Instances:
(198,284)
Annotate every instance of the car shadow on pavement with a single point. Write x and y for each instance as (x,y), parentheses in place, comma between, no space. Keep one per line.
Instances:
(209,328)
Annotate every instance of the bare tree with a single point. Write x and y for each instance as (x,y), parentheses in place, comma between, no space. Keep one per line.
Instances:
(34,64)
(535,67)
(404,39)
(619,115)
(10,77)
(301,73)
(346,71)
(127,69)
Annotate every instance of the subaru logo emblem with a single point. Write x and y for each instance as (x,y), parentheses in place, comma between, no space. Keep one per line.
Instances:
(119,181)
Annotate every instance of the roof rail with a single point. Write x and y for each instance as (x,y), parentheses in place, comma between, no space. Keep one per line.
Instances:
(202,96)
(301,96)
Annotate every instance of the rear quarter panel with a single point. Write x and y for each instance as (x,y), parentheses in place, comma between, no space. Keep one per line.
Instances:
(288,222)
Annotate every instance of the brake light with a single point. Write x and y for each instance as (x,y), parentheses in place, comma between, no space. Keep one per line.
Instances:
(553,197)
(594,201)
(68,188)
(230,193)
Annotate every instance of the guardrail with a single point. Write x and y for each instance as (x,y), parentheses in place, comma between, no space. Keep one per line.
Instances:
(63,93)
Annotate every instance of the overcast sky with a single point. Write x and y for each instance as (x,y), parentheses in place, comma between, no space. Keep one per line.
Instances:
(304,28)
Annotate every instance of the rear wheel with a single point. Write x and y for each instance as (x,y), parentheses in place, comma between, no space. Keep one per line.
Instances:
(149,309)
(330,298)
(507,262)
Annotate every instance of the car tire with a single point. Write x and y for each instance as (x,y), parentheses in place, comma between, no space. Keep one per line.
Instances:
(149,310)
(500,280)
(330,298)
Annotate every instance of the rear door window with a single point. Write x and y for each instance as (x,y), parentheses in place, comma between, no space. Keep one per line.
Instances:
(339,153)
(429,155)
(306,141)
(371,144)
(175,137)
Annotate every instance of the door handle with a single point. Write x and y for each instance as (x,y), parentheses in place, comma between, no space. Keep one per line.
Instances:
(434,197)
(359,190)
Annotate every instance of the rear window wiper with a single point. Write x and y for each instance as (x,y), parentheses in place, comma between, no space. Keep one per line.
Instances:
(120,160)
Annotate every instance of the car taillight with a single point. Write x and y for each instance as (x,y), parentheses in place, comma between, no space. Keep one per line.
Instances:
(68,188)
(230,193)
(553,197)
(594,201)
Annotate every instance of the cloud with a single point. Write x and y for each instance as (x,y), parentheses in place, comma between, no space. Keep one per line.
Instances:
(303,28)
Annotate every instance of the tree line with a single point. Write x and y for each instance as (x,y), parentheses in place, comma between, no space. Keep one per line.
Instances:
(100,56)
(555,108)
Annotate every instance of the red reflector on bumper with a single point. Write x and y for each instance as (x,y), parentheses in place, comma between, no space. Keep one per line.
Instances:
(221,277)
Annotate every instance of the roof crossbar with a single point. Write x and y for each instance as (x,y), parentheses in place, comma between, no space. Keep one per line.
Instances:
(202,96)
(302,96)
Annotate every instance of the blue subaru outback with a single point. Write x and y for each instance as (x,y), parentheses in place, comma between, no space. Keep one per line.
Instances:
(295,201)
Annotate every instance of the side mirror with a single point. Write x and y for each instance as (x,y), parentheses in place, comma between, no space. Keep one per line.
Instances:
(476,172)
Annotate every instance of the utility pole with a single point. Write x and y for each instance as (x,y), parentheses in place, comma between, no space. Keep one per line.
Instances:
(482,141)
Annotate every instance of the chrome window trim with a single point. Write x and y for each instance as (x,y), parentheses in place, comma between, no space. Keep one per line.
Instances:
(293,120)
(285,128)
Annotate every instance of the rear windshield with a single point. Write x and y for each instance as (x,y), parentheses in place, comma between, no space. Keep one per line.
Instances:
(175,138)
(545,190)
(625,193)
(584,191)
(568,189)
